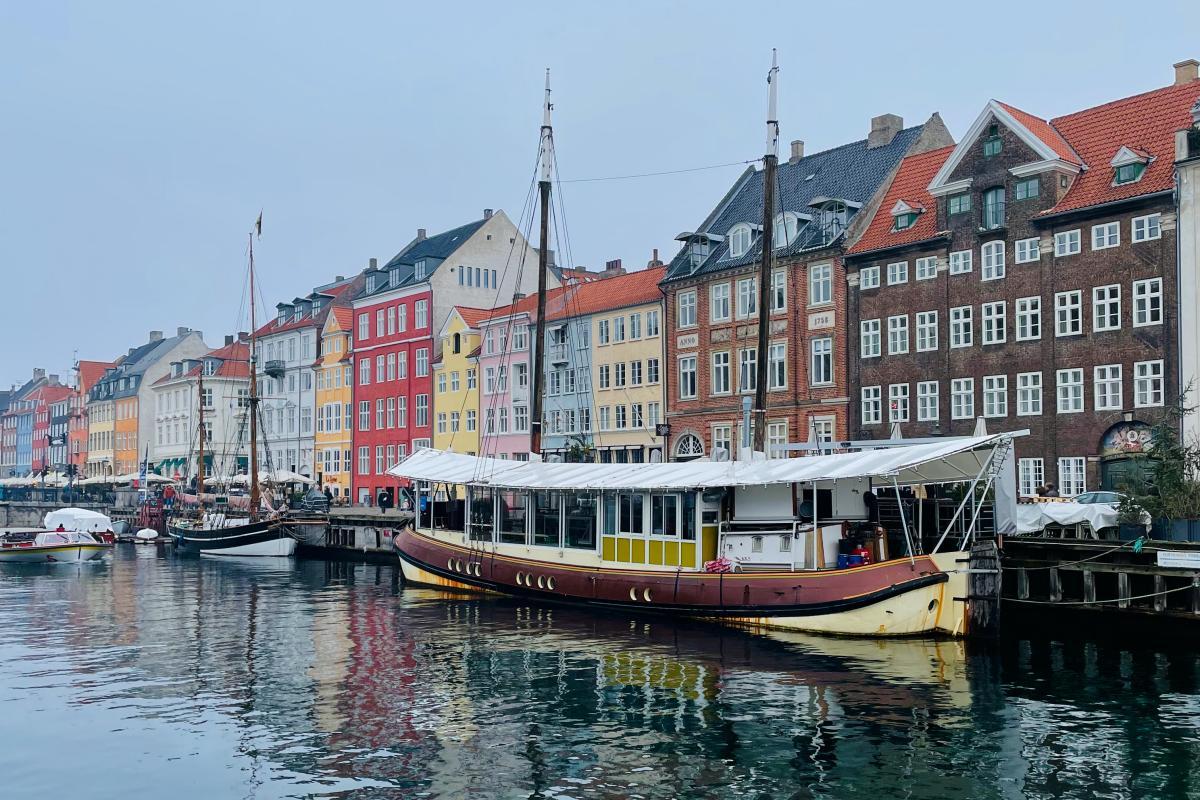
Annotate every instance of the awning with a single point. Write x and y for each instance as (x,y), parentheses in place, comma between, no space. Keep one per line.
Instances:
(949,461)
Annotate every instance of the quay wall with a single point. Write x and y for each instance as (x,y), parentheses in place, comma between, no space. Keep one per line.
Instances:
(30,514)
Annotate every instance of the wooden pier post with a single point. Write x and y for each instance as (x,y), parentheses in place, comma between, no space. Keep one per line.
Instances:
(983,589)
(1089,586)
(1022,583)
(1055,586)
(1122,590)
(1160,599)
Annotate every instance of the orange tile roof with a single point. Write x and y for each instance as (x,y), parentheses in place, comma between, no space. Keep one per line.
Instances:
(344,316)
(235,363)
(619,291)
(911,184)
(92,371)
(1043,131)
(526,305)
(1145,122)
(473,316)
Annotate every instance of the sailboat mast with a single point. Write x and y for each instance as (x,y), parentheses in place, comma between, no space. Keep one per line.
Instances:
(545,156)
(200,449)
(253,388)
(770,167)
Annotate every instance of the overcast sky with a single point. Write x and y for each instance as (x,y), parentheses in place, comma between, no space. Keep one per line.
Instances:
(141,140)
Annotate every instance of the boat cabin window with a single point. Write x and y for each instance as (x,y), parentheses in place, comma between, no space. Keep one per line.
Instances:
(688,528)
(664,514)
(546,527)
(483,513)
(510,524)
(631,518)
(581,520)
(824,504)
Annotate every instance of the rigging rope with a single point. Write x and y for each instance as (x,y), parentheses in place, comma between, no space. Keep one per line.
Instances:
(657,174)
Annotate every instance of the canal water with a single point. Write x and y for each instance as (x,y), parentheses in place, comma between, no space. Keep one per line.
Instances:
(152,676)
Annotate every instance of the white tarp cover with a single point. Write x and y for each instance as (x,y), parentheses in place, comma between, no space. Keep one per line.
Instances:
(1034,517)
(77,519)
(953,460)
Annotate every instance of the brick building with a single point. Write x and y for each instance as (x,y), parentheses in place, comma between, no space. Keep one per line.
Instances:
(711,294)
(1027,276)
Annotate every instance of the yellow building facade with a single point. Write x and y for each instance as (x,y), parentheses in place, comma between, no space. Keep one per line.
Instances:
(334,398)
(627,382)
(456,382)
(101,461)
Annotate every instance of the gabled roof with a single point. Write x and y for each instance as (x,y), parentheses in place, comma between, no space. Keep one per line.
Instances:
(526,305)
(910,185)
(851,172)
(1145,122)
(339,293)
(473,316)
(235,363)
(90,372)
(1044,132)
(342,317)
(619,291)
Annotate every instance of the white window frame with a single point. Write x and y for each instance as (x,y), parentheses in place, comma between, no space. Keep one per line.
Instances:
(1028,251)
(740,238)
(927,401)
(994,323)
(1106,307)
(995,396)
(686,364)
(962,321)
(685,309)
(820,361)
(962,388)
(1067,302)
(1147,302)
(961,262)
(1148,384)
(872,405)
(1069,383)
(1029,394)
(1146,228)
(1106,235)
(1031,476)
(1107,387)
(925,268)
(820,284)
(718,303)
(870,338)
(1068,243)
(898,402)
(898,339)
(747,298)
(927,331)
(1028,311)
(897,272)
(991,258)
(868,277)
(721,365)
(1072,475)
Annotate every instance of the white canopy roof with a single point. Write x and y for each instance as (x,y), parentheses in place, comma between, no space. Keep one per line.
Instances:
(949,461)
(78,519)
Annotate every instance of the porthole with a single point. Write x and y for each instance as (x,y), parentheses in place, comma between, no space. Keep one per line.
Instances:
(478,570)
(550,583)
(450,563)
(518,578)
(933,604)
(633,593)
(458,565)
(646,595)
(541,582)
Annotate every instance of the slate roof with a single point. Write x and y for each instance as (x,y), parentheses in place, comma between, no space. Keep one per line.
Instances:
(911,184)
(339,293)
(850,172)
(432,249)
(1145,121)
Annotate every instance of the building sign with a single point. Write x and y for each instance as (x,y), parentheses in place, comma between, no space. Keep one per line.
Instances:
(662,429)
(688,340)
(821,319)
(1179,559)
(1125,439)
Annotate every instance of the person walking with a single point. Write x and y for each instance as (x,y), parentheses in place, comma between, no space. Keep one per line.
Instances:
(384,500)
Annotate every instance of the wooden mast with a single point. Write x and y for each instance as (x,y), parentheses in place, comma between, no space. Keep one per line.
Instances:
(545,156)
(770,165)
(200,456)
(253,386)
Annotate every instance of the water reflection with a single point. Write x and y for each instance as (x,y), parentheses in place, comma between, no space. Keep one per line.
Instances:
(257,678)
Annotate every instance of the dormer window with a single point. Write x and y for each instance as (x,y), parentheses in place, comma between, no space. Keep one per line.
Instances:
(299,314)
(992,145)
(316,307)
(787,228)
(394,276)
(283,315)
(739,240)
(370,283)
(210,367)
(1128,165)
(833,216)
(419,270)
(904,215)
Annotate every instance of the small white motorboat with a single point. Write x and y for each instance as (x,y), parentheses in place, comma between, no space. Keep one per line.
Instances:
(51,547)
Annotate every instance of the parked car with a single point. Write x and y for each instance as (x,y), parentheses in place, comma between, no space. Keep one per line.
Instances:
(1099,497)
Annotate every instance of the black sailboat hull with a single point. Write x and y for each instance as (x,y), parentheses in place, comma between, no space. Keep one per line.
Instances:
(265,538)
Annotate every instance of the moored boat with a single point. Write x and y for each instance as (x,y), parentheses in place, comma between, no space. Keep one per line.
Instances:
(51,547)
(215,534)
(784,543)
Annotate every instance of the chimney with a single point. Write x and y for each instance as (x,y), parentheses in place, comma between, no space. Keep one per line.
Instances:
(654,262)
(612,268)
(1187,71)
(243,335)
(339,278)
(487,213)
(518,296)
(228,339)
(883,129)
(155,336)
(182,331)
(373,263)
(421,235)
(797,151)
(38,373)
(53,379)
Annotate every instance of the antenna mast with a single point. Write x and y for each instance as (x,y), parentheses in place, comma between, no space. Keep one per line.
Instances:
(546,157)
(770,167)
(253,385)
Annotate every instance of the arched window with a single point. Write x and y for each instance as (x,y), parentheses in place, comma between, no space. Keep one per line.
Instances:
(688,447)
(458,343)
(787,228)
(834,215)
(993,208)
(739,240)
